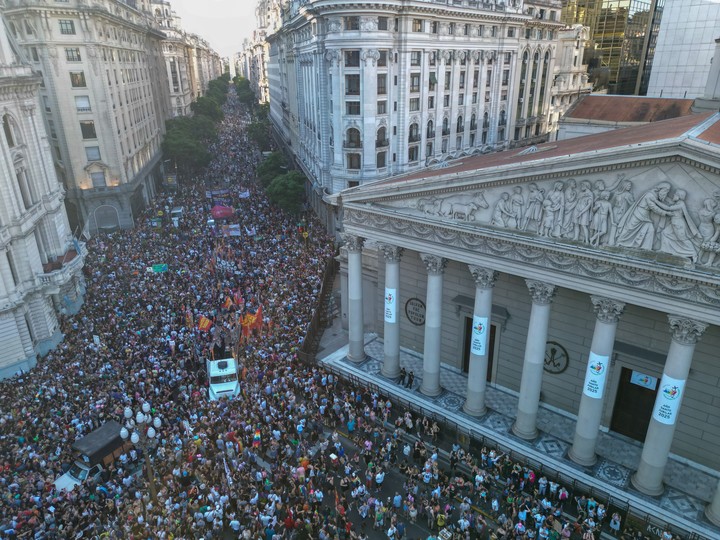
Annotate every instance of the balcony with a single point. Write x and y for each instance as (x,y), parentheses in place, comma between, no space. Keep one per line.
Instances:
(431,134)
(60,271)
(382,143)
(446,132)
(414,137)
(352,144)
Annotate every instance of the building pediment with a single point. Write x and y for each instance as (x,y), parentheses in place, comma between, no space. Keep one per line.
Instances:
(651,230)
(667,210)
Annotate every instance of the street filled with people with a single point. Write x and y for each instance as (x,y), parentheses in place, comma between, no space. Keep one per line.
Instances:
(300,453)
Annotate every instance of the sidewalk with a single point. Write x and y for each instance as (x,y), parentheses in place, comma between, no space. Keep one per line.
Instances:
(689,488)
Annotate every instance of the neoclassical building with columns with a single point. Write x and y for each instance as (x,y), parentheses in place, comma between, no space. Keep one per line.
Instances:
(580,275)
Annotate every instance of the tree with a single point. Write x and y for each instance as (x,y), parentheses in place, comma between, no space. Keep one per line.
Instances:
(207,106)
(185,150)
(273,165)
(244,92)
(288,191)
(259,133)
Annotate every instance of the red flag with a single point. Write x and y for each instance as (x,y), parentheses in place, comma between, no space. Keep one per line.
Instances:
(204,324)
(228,303)
(258,322)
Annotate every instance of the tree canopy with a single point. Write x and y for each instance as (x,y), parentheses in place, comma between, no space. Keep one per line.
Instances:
(207,106)
(273,165)
(288,191)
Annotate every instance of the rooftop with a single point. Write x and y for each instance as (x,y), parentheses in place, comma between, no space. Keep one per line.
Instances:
(627,109)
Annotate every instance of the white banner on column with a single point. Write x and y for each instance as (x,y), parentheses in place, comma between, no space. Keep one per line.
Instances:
(667,402)
(595,375)
(478,343)
(390,305)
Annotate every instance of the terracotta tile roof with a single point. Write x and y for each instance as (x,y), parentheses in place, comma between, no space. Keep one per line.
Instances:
(655,131)
(711,134)
(623,109)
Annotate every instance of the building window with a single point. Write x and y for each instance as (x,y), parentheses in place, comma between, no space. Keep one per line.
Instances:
(98,179)
(46,103)
(462,80)
(508,58)
(466,30)
(511,31)
(352,108)
(434,27)
(451,29)
(87,127)
(353,162)
(382,61)
(92,153)
(382,23)
(474,98)
(352,85)
(381,160)
(432,82)
(414,82)
(493,31)
(446,100)
(447,80)
(67,27)
(82,104)
(72,54)
(382,107)
(8,129)
(381,138)
(417,25)
(429,149)
(353,138)
(51,129)
(461,99)
(415,58)
(77,79)
(414,104)
(505,77)
(431,102)
(430,131)
(489,78)
(34,54)
(352,58)
(460,125)
(352,23)
(413,154)
(382,84)
(414,133)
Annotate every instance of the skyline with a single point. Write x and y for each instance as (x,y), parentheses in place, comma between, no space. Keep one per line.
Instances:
(223,23)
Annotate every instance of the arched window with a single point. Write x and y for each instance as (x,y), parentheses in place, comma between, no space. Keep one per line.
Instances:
(381,137)
(486,120)
(460,126)
(473,122)
(353,138)
(503,118)
(430,129)
(414,132)
(446,126)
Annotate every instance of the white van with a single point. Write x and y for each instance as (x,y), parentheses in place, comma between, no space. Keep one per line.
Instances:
(175,215)
(223,378)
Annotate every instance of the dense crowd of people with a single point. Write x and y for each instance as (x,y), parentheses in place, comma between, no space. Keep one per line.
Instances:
(271,463)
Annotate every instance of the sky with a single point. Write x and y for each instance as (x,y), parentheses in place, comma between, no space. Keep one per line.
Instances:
(223,23)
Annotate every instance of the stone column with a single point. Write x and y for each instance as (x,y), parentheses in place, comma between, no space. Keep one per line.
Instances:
(541,293)
(480,340)
(391,364)
(685,334)
(433,322)
(356,324)
(712,510)
(587,427)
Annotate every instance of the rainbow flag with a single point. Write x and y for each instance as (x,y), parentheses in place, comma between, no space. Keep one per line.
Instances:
(256,438)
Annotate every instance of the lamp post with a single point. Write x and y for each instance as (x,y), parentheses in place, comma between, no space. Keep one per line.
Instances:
(142,428)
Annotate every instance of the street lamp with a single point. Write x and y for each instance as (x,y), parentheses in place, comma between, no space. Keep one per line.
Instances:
(142,428)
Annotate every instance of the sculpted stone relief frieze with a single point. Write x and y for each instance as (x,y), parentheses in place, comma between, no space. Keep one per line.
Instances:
(687,289)
(661,211)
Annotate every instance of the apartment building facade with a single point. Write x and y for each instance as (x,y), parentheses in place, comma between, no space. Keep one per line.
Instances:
(40,265)
(105,99)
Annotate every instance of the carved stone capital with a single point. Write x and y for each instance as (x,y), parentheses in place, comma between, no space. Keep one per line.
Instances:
(686,331)
(484,277)
(354,244)
(540,292)
(433,263)
(607,310)
(333,56)
(391,253)
(370,56)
